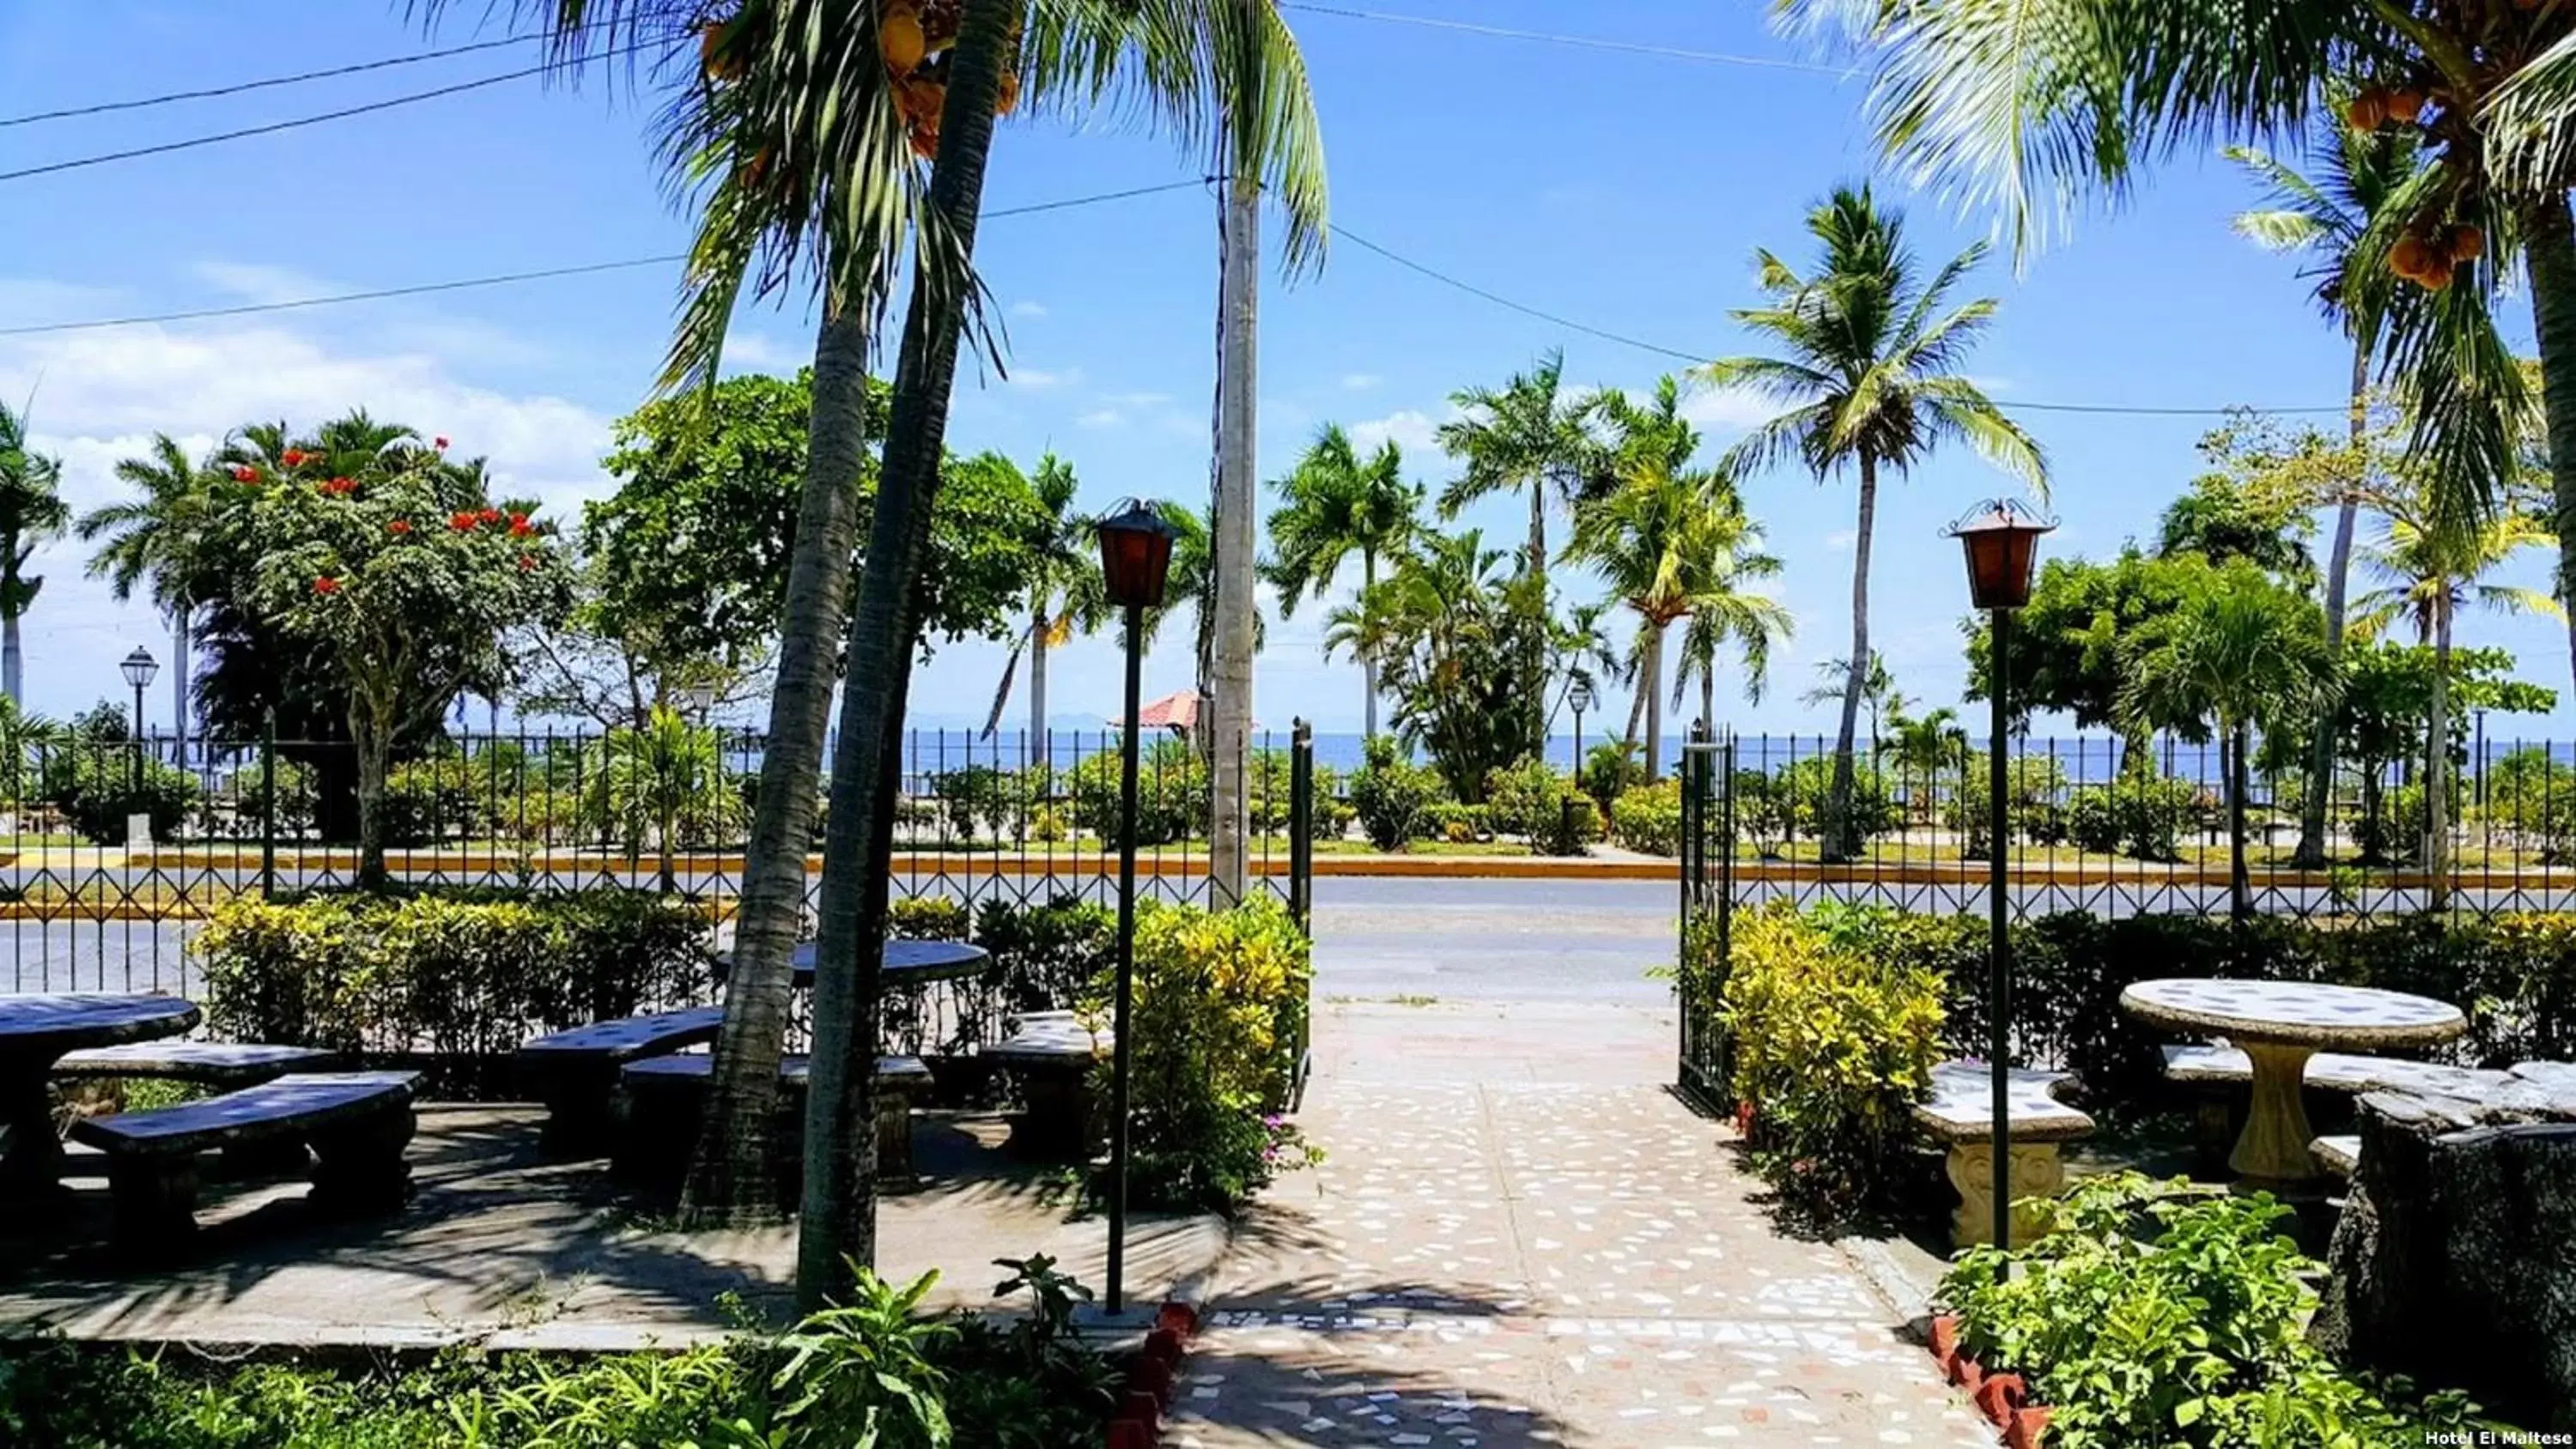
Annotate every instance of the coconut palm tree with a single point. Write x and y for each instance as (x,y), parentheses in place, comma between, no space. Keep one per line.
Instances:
(1869,375)
(2327,218)
(662,779)
(1925,746)
(150,543)
(1065,598)
(2434,562)
(2242,651)
(798,139)
(1335,505)
(2002,103)
(31,511)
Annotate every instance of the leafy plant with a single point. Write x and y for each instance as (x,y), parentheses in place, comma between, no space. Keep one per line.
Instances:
(2143,818)
(2157,1314)
(1649,818)
(97,786)
(1392,796)
(1171,793)
(1047,957)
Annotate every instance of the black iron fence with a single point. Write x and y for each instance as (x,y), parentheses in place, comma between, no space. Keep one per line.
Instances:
(114,851)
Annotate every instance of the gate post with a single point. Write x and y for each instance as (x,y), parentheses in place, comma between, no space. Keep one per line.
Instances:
(268,806)
(1301,823)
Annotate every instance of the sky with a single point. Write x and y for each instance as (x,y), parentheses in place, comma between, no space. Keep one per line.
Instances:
(1620,189)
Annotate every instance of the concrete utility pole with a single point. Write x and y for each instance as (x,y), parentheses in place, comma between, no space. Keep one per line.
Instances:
(1229,714)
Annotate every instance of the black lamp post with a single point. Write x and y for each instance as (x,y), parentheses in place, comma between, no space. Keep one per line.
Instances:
(1135,559)
(1580,698)
(2001,544)
(139,668)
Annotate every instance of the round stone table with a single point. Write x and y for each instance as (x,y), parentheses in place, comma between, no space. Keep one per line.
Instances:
(907,963)
(35,1032)
(2279,1025)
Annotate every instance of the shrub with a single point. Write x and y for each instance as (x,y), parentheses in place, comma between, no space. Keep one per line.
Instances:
(1218,1016)
(1649,818)
(1458,824)
(1610,769)
(95,786)
(1392,796)
(471,975)
(1049,957)
(1765,812)
(440,798)
(2532,798)
(976,794)
(1833,1043)
(926,918)
(1171,793)
(2146,1317)
(2140,818)
(1808,785)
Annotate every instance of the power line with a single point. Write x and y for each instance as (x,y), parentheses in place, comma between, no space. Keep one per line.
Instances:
(508,278)
(1660,350)
(273,127)
(240,87)
(1587,42)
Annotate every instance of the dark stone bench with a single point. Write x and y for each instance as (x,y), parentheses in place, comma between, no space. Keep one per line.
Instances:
(665,1103)
(575,1072)
(1960,1115)
(1051,1055)
(2339,1156)
(213,1063)
(357,1124)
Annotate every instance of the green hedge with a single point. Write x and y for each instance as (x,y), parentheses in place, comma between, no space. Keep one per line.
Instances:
(471,975)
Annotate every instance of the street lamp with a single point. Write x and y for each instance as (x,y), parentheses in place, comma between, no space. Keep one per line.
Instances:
(1580,698)
(1135,562)
(139,668)
(2001,544)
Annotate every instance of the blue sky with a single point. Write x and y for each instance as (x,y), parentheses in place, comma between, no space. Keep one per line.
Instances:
(1624,190)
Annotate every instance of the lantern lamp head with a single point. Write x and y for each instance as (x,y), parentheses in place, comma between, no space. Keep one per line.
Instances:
(1136,555)
(2001,542)
(139,667)
(1581,696)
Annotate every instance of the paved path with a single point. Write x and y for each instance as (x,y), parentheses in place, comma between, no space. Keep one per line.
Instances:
(1520,1238)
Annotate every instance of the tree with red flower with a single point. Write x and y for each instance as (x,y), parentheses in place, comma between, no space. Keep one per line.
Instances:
(439,443)
(398,527)
(244,473)
(326,585)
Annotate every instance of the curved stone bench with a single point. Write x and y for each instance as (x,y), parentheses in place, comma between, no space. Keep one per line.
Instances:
(357,1124)
(213,1063)
(2334,1072)
(2337,1155)
(1051,1055)
(1960,1115)
(665,1103)
(575,1072)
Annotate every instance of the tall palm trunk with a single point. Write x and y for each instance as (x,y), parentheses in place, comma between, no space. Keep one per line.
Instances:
(2311,853)
(1842,838)
(2549,251)
(1708,693)
(1650,683)
(2437,762)
(1035,746)
(729,1175)
(2240,885)
(1368,657)
(838,1225)
(1229,722)
(9,656)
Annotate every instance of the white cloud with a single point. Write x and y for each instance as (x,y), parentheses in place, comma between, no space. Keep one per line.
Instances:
(1136,399)
(1361,381)
(264,285)
(1028,309)
(1841,540)
(1728,410)
(1412,430)
(1102,418)
(754,351)
(1039,379)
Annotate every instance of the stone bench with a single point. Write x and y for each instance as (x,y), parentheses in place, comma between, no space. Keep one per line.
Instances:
(575,1072)
(2339,1156)
(211,1063)
(357,1124)
(1051,1055)
(665,1103)
(1960,1115)
(2334,1072)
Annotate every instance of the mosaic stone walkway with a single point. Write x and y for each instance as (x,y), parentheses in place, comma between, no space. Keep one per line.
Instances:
(1491,1258)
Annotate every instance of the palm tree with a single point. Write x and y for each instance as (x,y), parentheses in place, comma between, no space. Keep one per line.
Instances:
(150,543)
(800,144)
(2003,102)
(1336,505)
(664,778)
(1925,746)
(2434,561)
(2241,652)
(30,513)
(1870,379)
(1065,598)
(2360,176)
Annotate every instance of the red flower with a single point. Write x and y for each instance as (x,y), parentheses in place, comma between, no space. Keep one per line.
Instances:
(293,457)
(244,474)
(341,486)
(461,522)
(489,515)
(326,585)
(398,527)
(527,563)
(439,443)
(520,527)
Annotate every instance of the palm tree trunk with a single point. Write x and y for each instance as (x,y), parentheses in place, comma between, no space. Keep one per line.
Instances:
(729,1175)
(9,655)
(1035,744)
(1650,683)
(2240,885)
(838,1226)
(180,661)
(2437,764)
(1708,692)
(1842,840)
(2311,854)
(1368,657)
(1232,545)
(2549,251)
